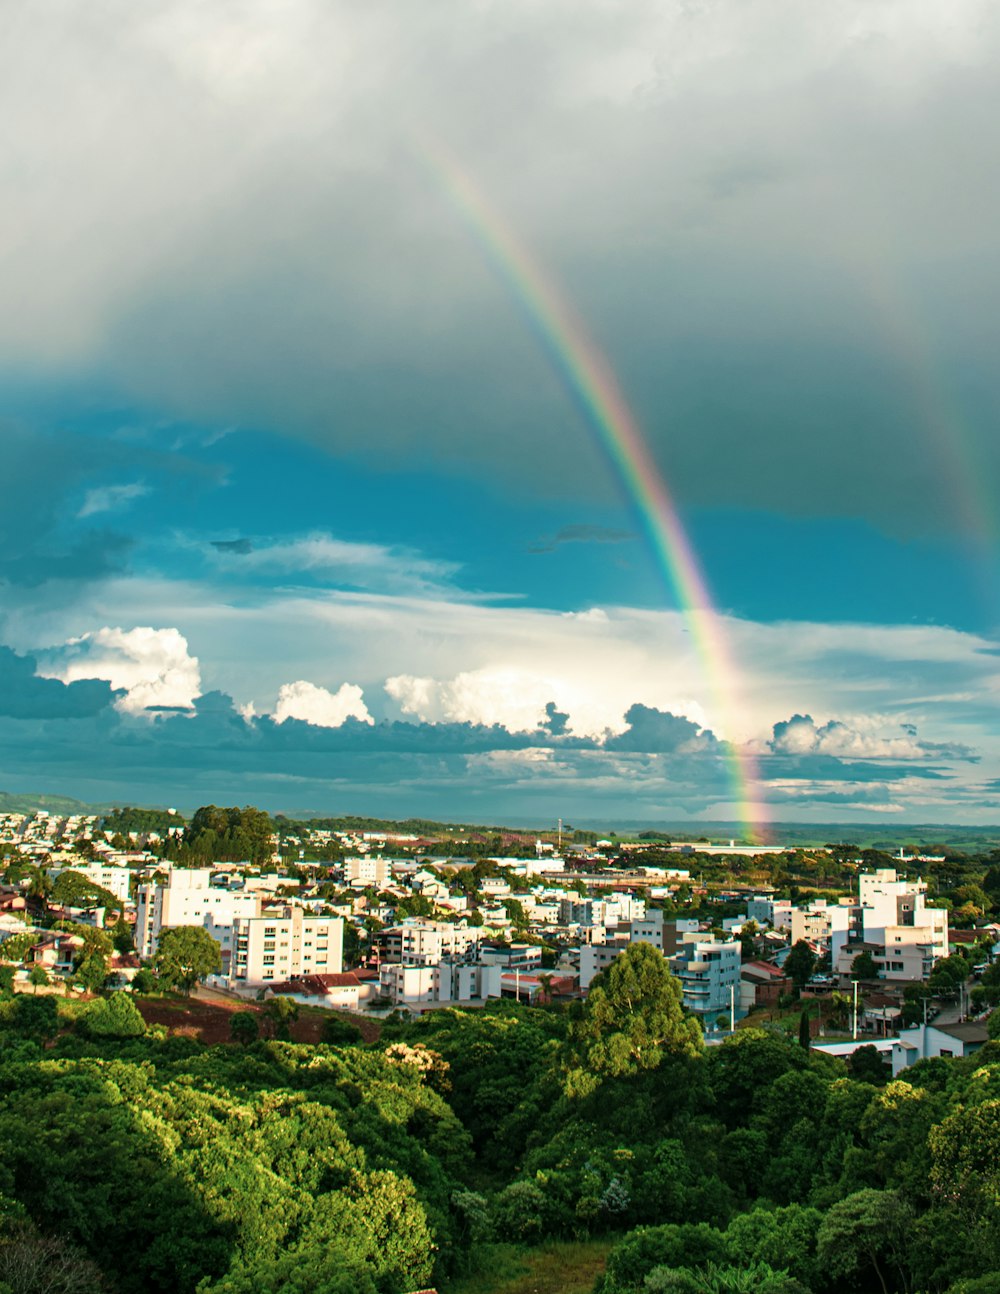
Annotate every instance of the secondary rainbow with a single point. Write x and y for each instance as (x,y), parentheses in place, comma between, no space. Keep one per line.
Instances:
(593,387)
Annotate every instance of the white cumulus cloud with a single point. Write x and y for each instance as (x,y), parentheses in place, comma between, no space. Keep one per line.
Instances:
(153,666)
(859,739)
(319,706)
(513,697)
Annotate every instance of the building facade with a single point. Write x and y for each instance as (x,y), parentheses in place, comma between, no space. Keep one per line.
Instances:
(284,943)
(187,898)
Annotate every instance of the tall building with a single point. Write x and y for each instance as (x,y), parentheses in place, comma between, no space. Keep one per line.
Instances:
(419,942)
(894,915)
(709,971)
(283,943)
(186,898)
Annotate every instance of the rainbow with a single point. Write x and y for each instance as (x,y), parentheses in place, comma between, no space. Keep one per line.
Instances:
(594,389)
(936,407)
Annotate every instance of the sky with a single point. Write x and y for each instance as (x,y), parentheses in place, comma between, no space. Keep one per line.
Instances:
(309,496)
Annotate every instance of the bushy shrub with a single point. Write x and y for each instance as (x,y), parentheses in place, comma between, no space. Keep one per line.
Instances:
(116,1016)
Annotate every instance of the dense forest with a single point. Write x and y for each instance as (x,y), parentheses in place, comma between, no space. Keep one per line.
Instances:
(132,1161)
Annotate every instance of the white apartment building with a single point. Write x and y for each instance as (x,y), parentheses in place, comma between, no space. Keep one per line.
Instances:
(890,918)
(114,879)
(467,983)
(284,943)
(405,984)
(709,971)
(187,899)
(575,911)
(371,870)
(596,957)
(417,942)
(448,981)
(648,929)
(605,945)
(894,914)
(827,924)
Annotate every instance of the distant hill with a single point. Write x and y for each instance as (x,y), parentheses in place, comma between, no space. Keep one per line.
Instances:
(888,836)
(61,804)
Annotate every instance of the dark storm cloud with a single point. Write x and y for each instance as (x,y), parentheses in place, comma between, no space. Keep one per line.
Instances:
(658,731)
(25,696)
(40,477)
(239,547)
(775,219)
(581,533)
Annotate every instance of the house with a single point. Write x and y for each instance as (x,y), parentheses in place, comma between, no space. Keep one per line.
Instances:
(537,988)
(927,1040)
(346,991)
(56,952)
(762,984)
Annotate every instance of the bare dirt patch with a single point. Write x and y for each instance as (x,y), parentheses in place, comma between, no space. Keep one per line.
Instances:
(209,1020)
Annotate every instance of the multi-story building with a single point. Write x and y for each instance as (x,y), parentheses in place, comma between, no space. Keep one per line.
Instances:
(418,942)
(768,911)
(709,971)
(186,898)
(371,870)
(512,956)
(114,879)
(830,925)
(451,980)
(604,946)
(892,919)
(284,943)
(596,957)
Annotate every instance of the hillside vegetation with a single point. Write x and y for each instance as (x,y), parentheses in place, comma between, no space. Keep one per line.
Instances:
(141,1162)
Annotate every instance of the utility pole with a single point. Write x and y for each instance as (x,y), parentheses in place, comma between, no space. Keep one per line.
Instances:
(855,1029)
(732,1009)
(560,835)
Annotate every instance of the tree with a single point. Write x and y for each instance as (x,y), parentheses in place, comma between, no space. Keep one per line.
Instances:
(800,962)
(121,933)
(282,1013)
(804,1036)
(144,981)
(38,977)
(243,1027)
(632,1018)
(34,1264)
(863,966)
(73,889)
(340,1032)
(91,970)
(187,954)
(36,1017)
(867,1067)
(40,884)
(865,1230)
(116,1016)
(236,835)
